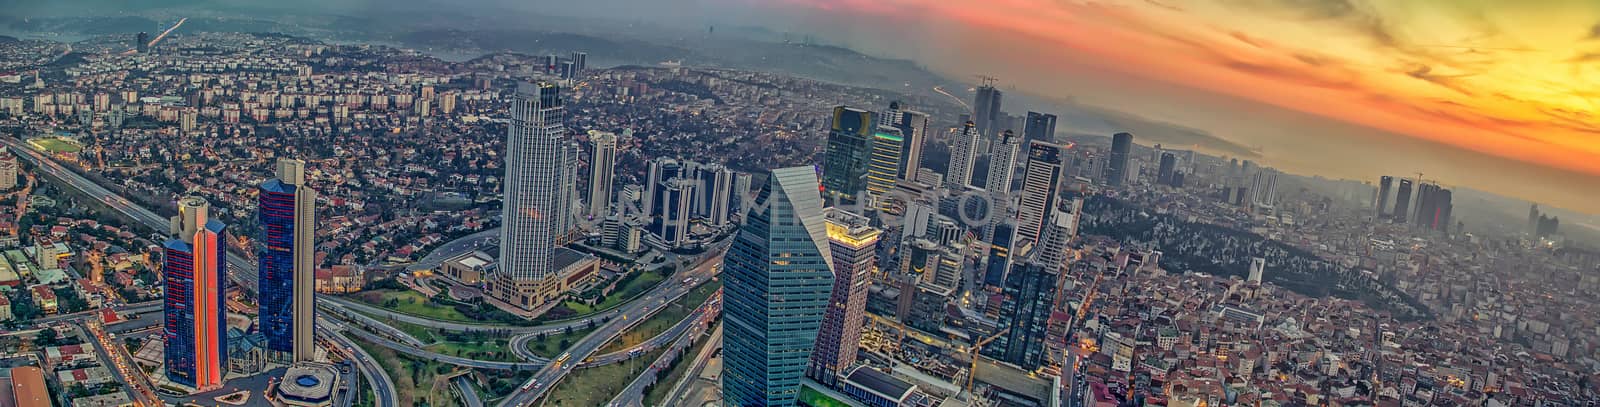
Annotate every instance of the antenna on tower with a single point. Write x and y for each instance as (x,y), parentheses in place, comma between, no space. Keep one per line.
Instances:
(987,80)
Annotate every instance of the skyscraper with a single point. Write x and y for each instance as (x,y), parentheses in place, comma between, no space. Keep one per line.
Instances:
(602,168)
(913,126)
(986,110)
(661,170)
(1423,217)
(883,167)
(286,272)
(1402,201)
(850,144)
(713,192)
(195,326)
(1040,127)
(999,260)
(537,198)
(853,243)
(1041,185)
(1029,296)
(1384,183)
(1117,166)
(1002,164)
(779,273)
(963,153)
(1169,165)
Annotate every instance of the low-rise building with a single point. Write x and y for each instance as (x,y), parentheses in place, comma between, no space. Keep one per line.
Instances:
(468,268)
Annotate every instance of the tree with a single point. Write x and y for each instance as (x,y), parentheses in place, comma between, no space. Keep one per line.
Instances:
(47,337)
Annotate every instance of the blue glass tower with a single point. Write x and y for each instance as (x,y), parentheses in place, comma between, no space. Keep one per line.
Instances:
(779,276)
(285,270)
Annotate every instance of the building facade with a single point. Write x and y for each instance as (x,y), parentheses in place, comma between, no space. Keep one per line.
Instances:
(602,168)
(286,271)
(194,318)
(779,273)
(963,154)
(849,151)
(537,195)
(853,243)
(1118,161)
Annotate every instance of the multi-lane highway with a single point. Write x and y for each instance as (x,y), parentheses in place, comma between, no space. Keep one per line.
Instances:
(631,313)
(240,270)
(370,370)
(680,389)
(633,395)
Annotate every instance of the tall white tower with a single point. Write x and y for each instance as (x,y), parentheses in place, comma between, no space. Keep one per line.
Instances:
(537,198)
(602,167)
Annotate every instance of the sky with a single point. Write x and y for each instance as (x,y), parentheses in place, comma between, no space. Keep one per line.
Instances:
(1495,95)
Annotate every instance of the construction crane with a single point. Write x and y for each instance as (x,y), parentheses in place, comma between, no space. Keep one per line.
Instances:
(972,370)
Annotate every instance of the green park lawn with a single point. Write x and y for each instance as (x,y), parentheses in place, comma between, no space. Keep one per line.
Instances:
(413,303)
(498,350)
(813,398)
(656,393)
(552,345)
(632,288)
(413,378)
(56,145)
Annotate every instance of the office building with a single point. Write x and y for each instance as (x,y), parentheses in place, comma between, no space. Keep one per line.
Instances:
(913,127)
(1041,187)
(1002,163)
(885,163)
(713,193)
(1039,127)
(849,150)
(677,206)
(986,110)
(661,170)
(1029,297)
(1384,183)
(853,243)
(1168,167)
(1118,162)
(1402,201)
(602,169)
(286,272)
(778,273)
(1258,268)
(963,155)
(194,330)
(999,259)
(538,191)
(580,61)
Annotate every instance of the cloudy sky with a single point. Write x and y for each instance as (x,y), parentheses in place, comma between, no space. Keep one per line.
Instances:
(1493,95)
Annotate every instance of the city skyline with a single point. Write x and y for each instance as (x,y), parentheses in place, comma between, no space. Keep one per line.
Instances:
(1394,91)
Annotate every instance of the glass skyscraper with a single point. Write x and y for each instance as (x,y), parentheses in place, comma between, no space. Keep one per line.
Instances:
(540,175)
(850,144)
(195,327)
(286,271)
(779,275)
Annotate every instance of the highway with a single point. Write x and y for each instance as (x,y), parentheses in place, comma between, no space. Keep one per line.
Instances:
(457,247)
(631,313)
(240,270)
(680,389)
(442,358)
(376,377)
(633,395)
(468,396)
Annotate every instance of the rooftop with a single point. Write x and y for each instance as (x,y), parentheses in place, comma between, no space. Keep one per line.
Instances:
(870,379)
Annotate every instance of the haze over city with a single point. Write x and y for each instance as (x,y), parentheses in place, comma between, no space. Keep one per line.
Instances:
(820,203)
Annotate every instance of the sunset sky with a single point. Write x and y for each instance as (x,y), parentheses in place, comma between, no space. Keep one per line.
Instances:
(1494,95)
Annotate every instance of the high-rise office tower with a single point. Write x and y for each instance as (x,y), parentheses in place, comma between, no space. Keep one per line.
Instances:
(195,326)
(580,61)
(286,272)
(883,168)
(713,192)
(1402,201)
(1029,296)
(913,127)
(1423,217)
(853,243)
(1117,163)
(1040,127)
(602,168)
(1041,186)
(677,206)
(1384,183)
(778,274)
(999,259)
(141,42)
(1168,166)
(1002,163)
(537,198)
(986,110)
(1442,207)
(1533,218)
(963,154)
(849,150)
(661,170)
